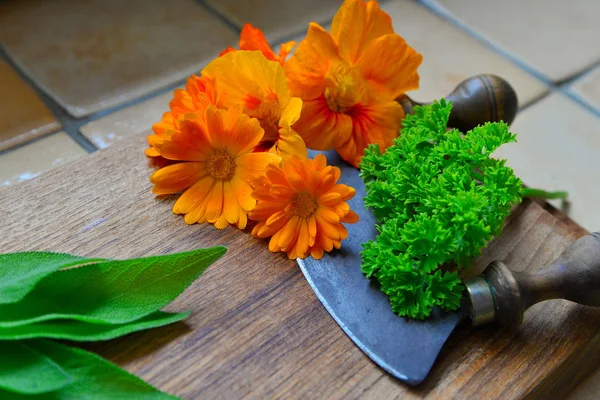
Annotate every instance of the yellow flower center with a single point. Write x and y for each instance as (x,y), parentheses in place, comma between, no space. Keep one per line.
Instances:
(304,205)
(343,89)
(220,165)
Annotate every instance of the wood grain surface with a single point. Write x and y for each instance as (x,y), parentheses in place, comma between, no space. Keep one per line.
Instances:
(257,329)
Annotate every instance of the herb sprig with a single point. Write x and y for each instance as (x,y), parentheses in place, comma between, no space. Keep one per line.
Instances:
(59,296)
(439,197)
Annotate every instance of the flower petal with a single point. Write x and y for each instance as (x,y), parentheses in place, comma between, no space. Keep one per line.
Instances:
(328,215)
(347,192)
(177,177)
(289,232)
(303,239)
(221,223)
(216,127)
(291,113)
(251,165)
(274,242)
(243,193)
(231,207)
(252,38)
(329,199)
(356,24)
(321,128)
(245,134)
(290,143)
(248,74)
(214,206)
(284,50)
(198,213)
(192,197)
(395,71)
(297,183)
(167,122)
(275,175)
(350,218)
(377,123)
(243,221)
(316,253)
(183,147)
(312,229)
(310,62)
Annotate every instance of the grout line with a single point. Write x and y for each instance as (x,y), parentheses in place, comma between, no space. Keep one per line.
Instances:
(235,26)
(579,100)
(574,77)
(535,100)
(450,17)
(562,87)
(69,124)
(138,100)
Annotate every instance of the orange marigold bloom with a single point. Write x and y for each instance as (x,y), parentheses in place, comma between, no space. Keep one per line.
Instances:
(301,207)
(348,81)
(217,166)
(259,85)
(252,38)
(198,94)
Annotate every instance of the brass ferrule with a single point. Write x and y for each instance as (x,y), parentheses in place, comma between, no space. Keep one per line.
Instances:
(482,301)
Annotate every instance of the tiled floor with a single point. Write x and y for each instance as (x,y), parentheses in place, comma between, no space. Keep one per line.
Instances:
(23,116)
(79,76)
(129,50)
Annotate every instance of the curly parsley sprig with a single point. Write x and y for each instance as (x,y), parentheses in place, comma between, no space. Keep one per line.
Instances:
(438,197)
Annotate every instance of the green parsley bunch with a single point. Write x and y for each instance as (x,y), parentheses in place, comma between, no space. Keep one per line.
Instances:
(439,198)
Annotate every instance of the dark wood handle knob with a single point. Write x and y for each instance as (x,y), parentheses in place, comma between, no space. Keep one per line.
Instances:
(575,276)
(477,100)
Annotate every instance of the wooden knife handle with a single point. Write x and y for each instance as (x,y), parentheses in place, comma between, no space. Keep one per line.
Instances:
(575,276)
(477,100)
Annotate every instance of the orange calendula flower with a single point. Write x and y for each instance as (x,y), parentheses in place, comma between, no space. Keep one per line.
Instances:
(198,94)
(301,207)
(259,85)
(252,38)
(217,166)
(348,81)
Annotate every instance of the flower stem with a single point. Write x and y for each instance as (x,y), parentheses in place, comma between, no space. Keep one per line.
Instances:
(527,192)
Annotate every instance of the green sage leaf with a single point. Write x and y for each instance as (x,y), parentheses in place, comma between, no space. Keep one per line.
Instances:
(85,332)
(20,272)
(111,292)
(94,377)
(27,371)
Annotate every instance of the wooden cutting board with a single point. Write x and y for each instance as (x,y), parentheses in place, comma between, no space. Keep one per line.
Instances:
(257,329)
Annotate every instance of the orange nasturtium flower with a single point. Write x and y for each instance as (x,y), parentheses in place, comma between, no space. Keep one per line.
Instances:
(252,38)
(216,166)
(259,85)
(348,81)
(301,207)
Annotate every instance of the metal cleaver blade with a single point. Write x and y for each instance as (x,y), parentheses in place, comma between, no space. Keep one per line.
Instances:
(403,347)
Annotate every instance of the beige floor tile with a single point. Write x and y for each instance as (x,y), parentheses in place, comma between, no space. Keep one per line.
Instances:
(128,122)
(557,149)
(450,55)
(277,18)
(90,55)
(558,38)
(23,116)
(35,158)
(588,88)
